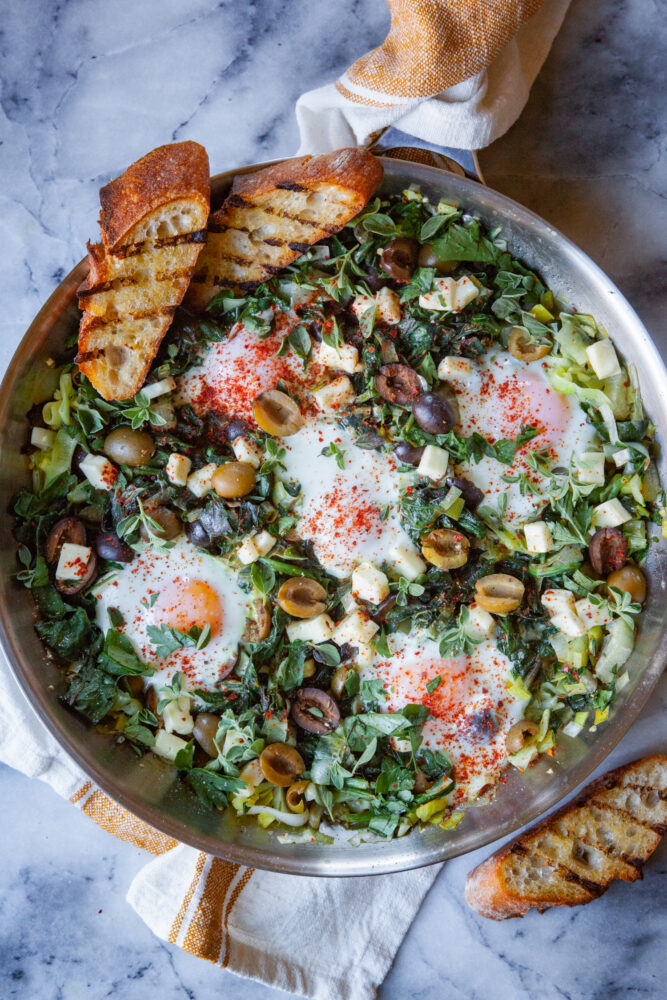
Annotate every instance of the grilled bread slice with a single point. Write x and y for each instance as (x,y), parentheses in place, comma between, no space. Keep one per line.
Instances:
(610,830)
(153,223)
(273,216)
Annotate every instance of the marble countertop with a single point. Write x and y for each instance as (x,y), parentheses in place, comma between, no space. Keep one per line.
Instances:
(89,86)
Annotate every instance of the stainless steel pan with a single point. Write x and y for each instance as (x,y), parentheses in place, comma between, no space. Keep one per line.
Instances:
(148,786)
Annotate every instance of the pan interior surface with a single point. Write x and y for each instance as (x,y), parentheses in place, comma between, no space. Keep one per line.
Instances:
(148,786)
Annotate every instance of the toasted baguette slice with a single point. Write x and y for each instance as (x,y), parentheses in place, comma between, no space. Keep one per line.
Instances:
(273,216)
(153,223)
(610,830)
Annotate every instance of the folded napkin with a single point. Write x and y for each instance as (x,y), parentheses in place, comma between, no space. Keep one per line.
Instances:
(454,73)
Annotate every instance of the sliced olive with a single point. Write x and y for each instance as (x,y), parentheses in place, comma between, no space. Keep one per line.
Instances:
(295,796)
(260,625)
(315,711)
(398,384)
(446,548)
(470,494)
(110,546)
(608,550)
(205,729)
(339,680)
(129,447)
(435,413)
(169,525)
(67,529)
(302,597)
(197,534)
(523,348)
(399,258)
(407,453)
(631,580)
(234,479)
(380,613)
(519,734)
(499,593)
(277,414)
(281,764)
(429,258)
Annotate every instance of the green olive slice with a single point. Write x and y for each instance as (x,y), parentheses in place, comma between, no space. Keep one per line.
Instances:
(519,734)
(281,764)
(295,796)
(499,593)
(302,597)
(259,625)
(523,348)
(277,414)
(446,548)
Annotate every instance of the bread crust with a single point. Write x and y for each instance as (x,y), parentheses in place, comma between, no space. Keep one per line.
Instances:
(349,168)
(487,892)
(169,173)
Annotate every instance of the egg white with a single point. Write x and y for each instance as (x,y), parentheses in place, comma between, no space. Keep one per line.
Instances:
(132,591)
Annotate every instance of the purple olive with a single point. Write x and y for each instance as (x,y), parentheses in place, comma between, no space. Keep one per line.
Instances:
(408,453)
(384,607)
(399,258)
(398,384)
(236,428)
(67,529)
(608,550)
(110,546)
(197,534)
(325,714)
(434,413)
(472,496)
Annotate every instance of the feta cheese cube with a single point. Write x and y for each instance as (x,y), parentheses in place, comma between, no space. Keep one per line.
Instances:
(167,745)
(590,468)
(42,438)
(99,471)
(345,357)
(369,583)
(592,614)
(406,561)
(560,607)
(466,291)
(355,628)
(246,451)
(314,630)
(177,717)
(254,547)
(449,295)
(453,367)
(178,469)
(555,601)
(569,623)
(200,482)
(165,385)
(610,514)
(603,358)
(336,395)
(480,624)
(365,654)
(433,463)
(620,459)
(538,536)
(73,562)
(349,603)
(361,304)
(388,306)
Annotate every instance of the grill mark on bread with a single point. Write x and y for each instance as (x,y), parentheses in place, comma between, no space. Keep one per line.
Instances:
(160,243)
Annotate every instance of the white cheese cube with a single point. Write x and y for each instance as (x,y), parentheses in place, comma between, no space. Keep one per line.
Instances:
(466,291)
(406,561)
(453,367)
(538,536)
(314,630)
(592,614)
(349,603)
(264,542)
(246,451)
(165,385)
(590,468)
(99,471)
(441,298)
(603,359)
(346,357)
(610,514)
(178,469)
(620,459)
(369,583)
(73,562)
(361,304)
(480,623)
(433,462)
(569,623)
(177,717)
(200,482)
(388,306)
(167,745)
(336,395)
(42,438)
(254,547)
(365,654)
(355,628)
(555,601)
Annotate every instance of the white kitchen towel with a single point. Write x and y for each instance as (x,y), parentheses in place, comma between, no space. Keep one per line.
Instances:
(329,939)
(454,73)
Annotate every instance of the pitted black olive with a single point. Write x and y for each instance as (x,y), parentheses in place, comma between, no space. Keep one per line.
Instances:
(399,258)
(471,495)
(196,533)
(67,529)
(236,428)
(608,550)
(398,384)
(434,412)
(408,453)
(110,546)
(325,714)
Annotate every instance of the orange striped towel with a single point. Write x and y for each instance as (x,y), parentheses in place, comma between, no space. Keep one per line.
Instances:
(329,939)
(454,73)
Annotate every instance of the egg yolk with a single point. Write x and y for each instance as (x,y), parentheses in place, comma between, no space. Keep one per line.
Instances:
(186,603)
